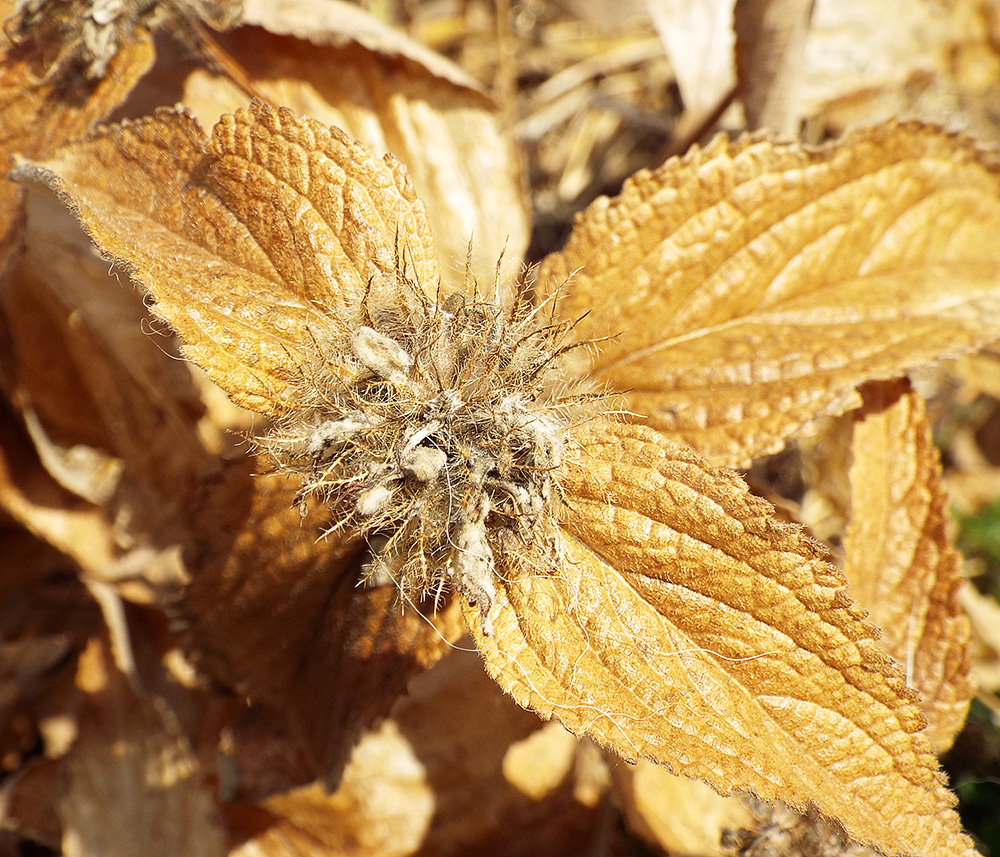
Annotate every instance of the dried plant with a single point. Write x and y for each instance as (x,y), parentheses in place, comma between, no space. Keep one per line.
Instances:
(551,453)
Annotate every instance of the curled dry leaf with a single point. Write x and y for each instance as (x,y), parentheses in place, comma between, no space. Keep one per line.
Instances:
(30,495)
(335,22)
(899,560)
(748,287)
(688,627)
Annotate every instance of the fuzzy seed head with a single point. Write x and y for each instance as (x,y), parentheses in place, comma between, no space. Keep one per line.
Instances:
(435,430)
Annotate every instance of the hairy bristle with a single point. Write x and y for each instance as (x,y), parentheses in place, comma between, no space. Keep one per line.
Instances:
(434,428)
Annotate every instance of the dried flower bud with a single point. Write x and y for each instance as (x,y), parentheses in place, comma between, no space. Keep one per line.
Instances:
(438,433)
(384,356)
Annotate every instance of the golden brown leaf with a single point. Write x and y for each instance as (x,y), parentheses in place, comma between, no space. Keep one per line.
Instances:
(47,100)
(748,287)
(688,627)
(479,783)
(131,779)
(338,64)
(899,560)
(273,204)
(310,822)
(461,160)
(30,495)
(540,763)
(259,575)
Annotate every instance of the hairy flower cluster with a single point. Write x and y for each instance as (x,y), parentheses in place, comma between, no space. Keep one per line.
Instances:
(435,432)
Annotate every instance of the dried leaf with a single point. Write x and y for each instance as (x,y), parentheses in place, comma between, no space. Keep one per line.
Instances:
(46,509)
(906,58)
(770,42)
(461,160)
(131,778)
(360,818)
(748,287)
(903,42)
(334,22)
(341,66)
(412,786)
(984,614)
(688,627)
(111,412)
(475,775)
(26,804)
(539,764)
(679,815)
(899,560)
(47,100)
(259,575)
(274,204)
